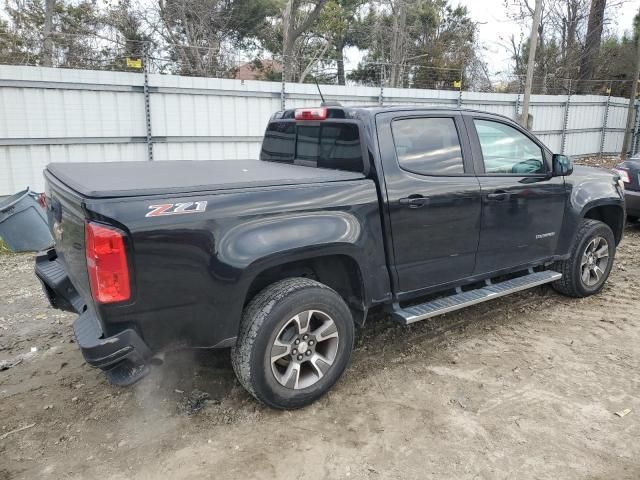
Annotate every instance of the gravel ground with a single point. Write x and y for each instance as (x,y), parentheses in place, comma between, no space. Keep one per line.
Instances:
(522,387)
(609,161)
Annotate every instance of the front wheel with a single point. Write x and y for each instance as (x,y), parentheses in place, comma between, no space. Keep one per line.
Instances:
(295,342)
(587,269)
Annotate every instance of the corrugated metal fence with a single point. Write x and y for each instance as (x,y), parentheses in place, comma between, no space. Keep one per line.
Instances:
(64,115)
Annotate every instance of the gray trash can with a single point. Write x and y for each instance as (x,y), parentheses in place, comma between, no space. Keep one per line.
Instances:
(23,223)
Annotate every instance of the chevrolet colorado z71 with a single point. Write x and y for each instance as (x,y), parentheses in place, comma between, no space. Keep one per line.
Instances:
(418,211)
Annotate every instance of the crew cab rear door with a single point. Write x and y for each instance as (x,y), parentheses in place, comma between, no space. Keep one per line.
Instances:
(522,205)
(433,197)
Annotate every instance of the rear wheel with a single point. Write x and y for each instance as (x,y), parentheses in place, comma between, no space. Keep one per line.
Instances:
(632,218)
(586,271)
(295,342)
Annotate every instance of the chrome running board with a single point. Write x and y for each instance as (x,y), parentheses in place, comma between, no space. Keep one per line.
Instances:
(460,300)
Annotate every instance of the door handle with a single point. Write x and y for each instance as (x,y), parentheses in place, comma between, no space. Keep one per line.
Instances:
(498,195)
(413,201)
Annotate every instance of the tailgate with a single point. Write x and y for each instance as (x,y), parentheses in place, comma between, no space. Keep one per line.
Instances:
(66,218)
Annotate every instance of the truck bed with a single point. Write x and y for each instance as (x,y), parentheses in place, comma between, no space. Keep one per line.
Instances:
(132,179)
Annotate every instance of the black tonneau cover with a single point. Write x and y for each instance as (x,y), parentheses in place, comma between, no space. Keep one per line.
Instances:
(130,179)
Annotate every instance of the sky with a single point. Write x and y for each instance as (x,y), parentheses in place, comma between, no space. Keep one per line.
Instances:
(495,28)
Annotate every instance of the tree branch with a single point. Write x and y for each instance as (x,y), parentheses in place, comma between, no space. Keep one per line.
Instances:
(313,61)
(310,19)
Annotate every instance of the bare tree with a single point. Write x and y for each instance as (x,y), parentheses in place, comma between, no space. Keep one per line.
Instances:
(525,14)
(295,21)
(569,16)
(47,46)
(533,40)
(592,44)
(515,46)
(203,37)
(192,30)
(628,133)
(314,60)
(398,42)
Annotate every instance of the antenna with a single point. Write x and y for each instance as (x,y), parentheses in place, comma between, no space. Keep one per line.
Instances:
(324,102)
(319,91)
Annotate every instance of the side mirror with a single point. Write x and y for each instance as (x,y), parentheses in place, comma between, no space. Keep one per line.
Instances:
(562,165)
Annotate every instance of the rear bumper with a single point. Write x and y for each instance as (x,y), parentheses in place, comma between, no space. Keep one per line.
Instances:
(632,202)
(56,283)
(122,356)
(104,352)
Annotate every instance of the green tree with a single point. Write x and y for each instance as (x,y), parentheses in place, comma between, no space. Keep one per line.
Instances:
(68,44)
(422,43)
(343,30)
(129,31)
(614,62)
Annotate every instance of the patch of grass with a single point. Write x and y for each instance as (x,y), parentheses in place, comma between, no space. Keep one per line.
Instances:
(3,248)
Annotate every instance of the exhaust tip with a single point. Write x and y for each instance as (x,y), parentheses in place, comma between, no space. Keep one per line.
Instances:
(157,360)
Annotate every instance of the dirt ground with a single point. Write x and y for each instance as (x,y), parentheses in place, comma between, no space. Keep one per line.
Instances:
(522,387)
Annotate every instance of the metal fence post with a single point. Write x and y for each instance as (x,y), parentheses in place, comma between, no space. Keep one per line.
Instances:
(517,105)
(283,94)
(147,105)
(381,94)
(603,134)
(460,89)
(566,121)
(636,132)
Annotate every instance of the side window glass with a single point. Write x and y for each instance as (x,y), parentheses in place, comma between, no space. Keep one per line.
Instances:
(428,146)
(507,151)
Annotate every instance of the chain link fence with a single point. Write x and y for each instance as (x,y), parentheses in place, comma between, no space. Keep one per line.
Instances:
(96,52)
(455,86)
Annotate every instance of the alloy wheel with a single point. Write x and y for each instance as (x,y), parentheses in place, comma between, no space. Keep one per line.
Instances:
(304,349)
(594,262)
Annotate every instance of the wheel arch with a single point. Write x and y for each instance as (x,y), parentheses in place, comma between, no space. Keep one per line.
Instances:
(339,270)
(611,214)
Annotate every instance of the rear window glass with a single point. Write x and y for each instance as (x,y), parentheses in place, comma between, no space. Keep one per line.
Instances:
(327,145)
(279,142)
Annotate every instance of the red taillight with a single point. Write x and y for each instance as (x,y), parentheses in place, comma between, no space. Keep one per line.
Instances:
(624,175)
(311,113)
(42,200)
(107,264)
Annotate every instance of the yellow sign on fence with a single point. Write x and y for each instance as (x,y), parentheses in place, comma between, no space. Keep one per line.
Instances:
(134,62)
(457,83)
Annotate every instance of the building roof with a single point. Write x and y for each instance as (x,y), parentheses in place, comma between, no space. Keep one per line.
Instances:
(257,69)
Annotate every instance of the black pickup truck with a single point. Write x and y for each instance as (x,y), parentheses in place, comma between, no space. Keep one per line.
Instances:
(418,211)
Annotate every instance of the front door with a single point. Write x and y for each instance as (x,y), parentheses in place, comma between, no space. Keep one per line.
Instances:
(433,198)
(522,205)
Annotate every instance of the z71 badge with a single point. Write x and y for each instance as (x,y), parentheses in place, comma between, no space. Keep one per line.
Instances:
(176,209)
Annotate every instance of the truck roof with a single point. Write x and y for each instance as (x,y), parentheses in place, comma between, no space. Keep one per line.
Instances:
(372,110)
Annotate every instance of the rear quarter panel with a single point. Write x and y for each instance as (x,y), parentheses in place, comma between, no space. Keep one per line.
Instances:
(192,271)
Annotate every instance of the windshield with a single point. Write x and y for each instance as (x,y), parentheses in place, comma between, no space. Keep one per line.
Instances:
(332,145)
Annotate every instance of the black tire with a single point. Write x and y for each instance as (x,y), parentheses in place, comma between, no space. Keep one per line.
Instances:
(262,321)
(572,283)
(632,218)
